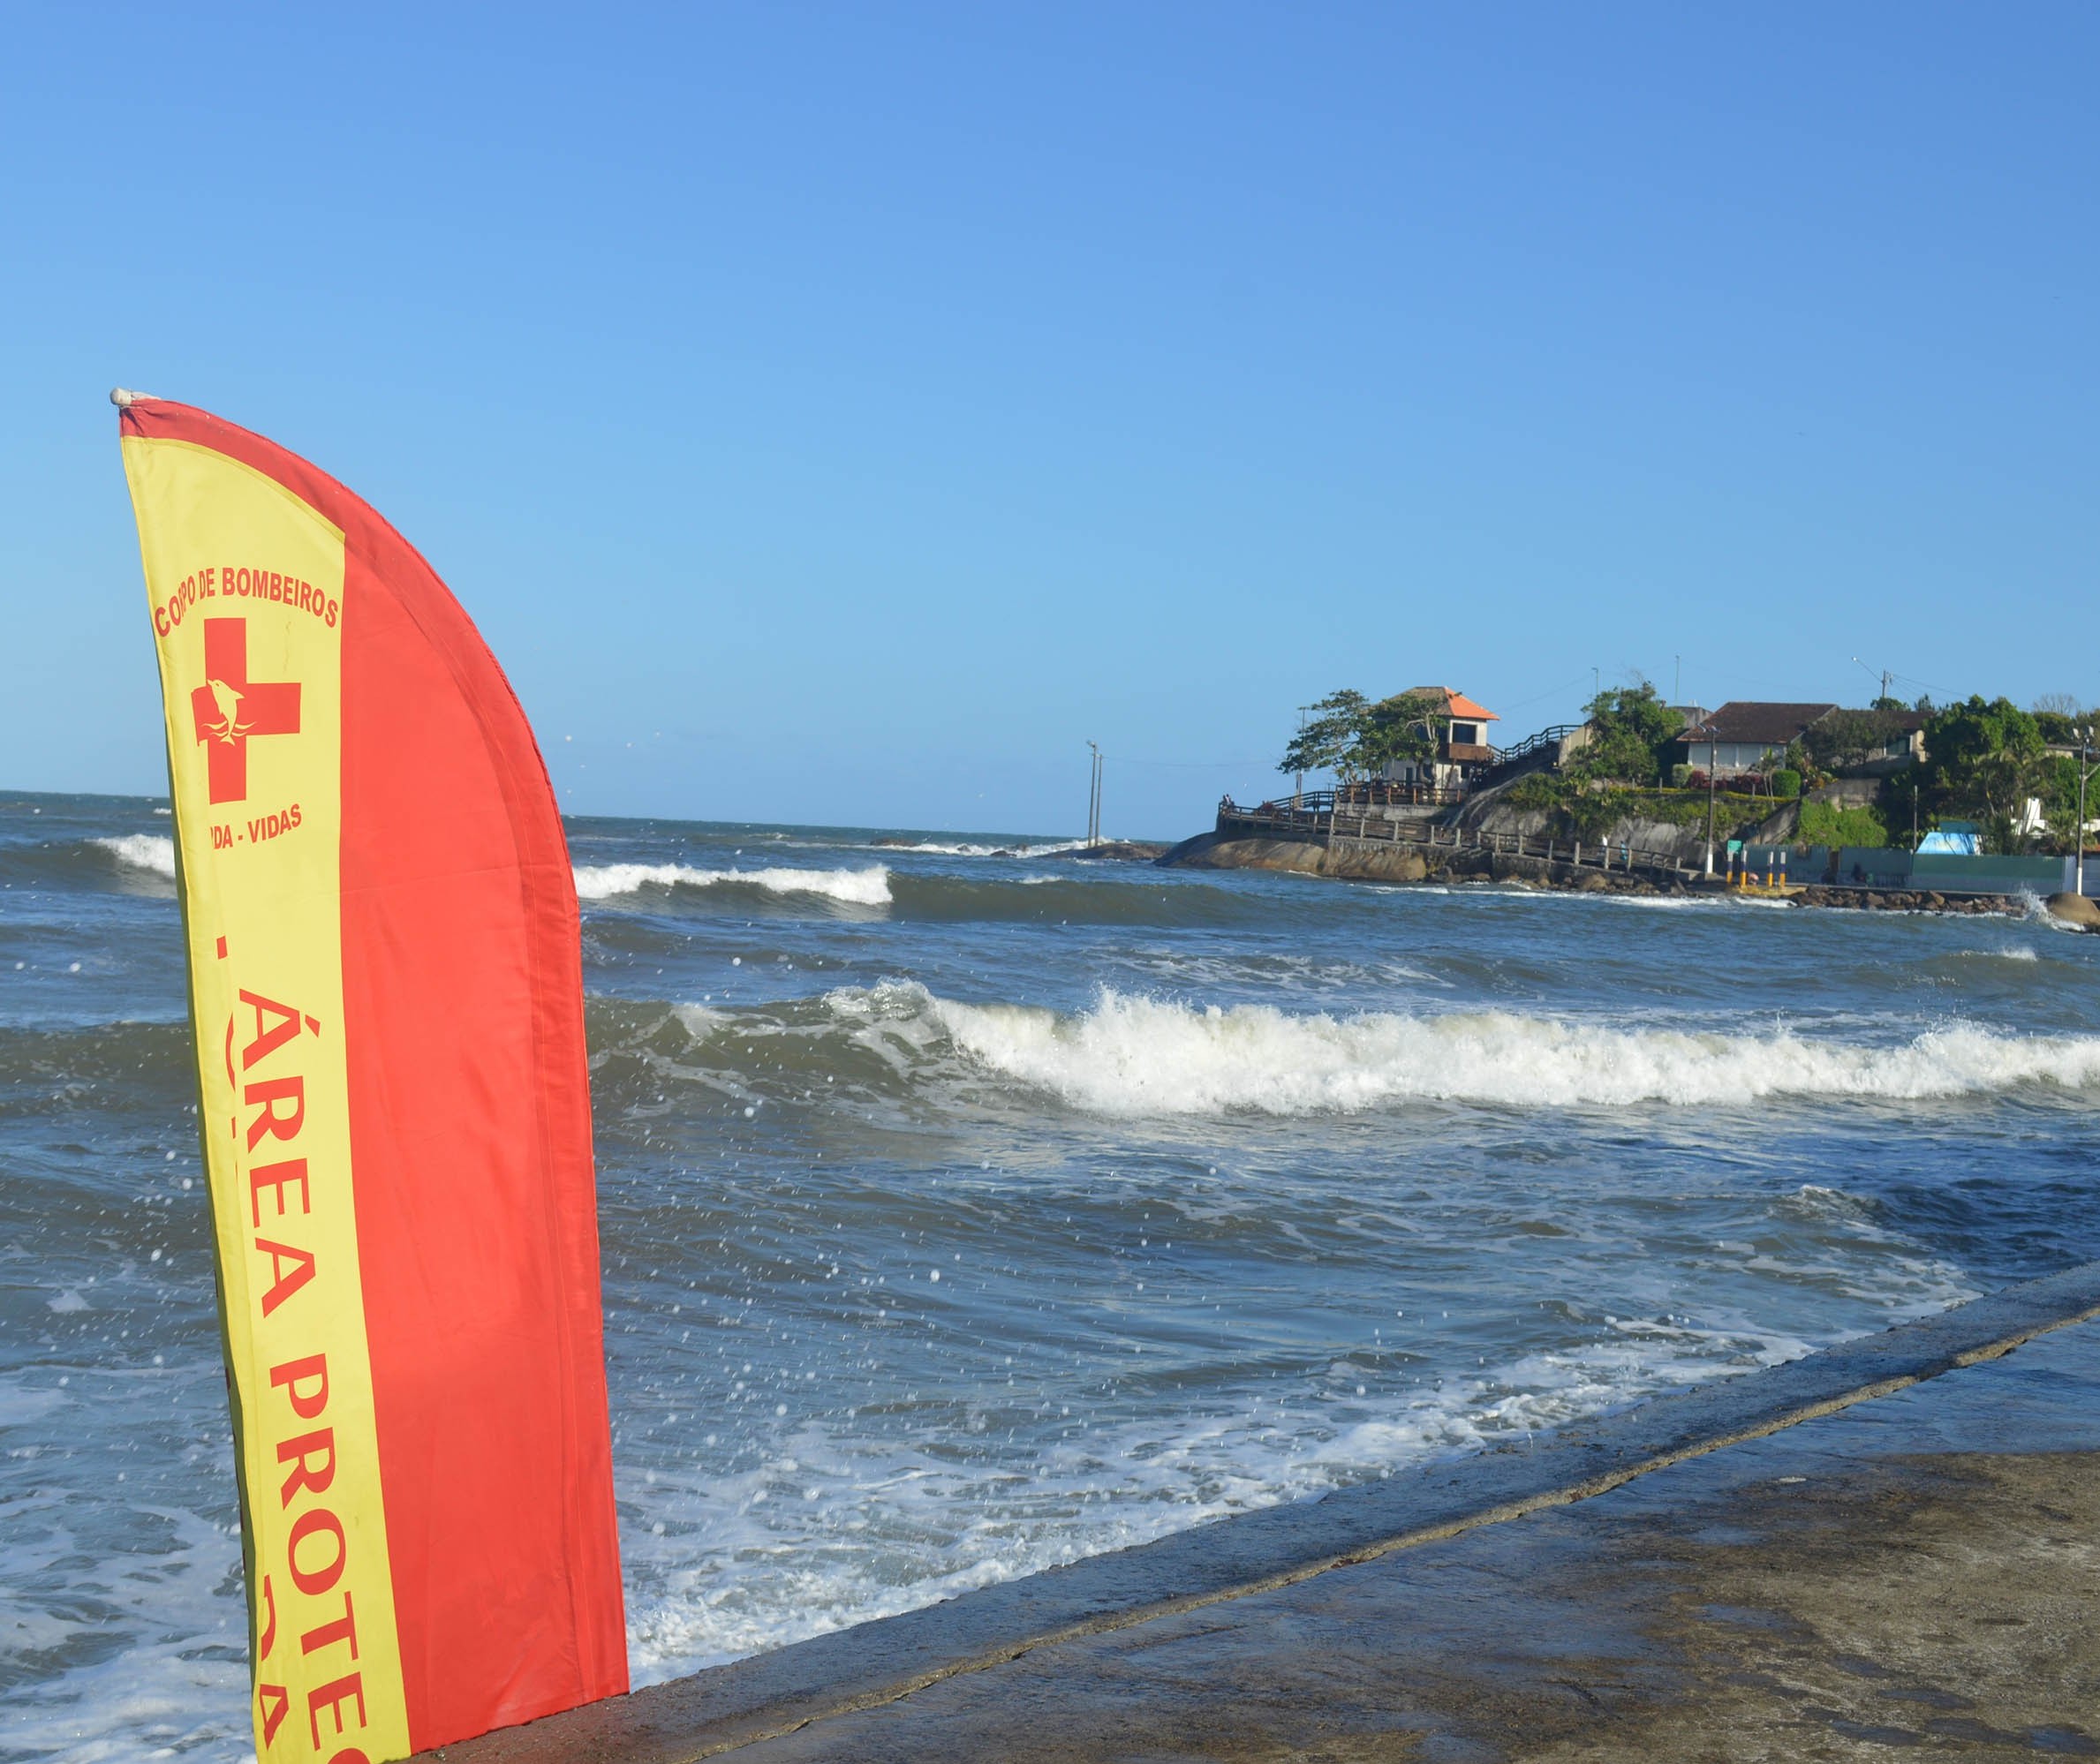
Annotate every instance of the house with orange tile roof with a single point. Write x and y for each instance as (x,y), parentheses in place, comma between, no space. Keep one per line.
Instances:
(1459,725)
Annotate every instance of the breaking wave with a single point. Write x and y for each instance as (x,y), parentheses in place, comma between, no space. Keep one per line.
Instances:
(1049,896)
(153,852)
(1138,1056)
(868,887)
(980,848)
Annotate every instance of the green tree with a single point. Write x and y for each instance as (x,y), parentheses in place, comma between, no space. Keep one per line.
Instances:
(2055,783)
(1629,725)
(1355,739)
(1403,726)
(1850,737)
(1327,742)
(2059,717)
(1983,760)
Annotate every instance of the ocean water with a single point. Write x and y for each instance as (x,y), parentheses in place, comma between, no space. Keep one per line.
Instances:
(967,1212)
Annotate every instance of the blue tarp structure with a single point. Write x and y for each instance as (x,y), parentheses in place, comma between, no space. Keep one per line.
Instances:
(1953,839)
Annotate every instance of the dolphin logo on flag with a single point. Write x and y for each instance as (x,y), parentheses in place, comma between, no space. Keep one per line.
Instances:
(228,703)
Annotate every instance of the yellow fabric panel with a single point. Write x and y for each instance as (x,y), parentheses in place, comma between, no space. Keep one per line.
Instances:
(245,584)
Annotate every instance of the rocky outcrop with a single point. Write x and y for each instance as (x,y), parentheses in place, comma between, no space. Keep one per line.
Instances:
(1353,859)
(1686,845)
(1685,841)
(1909,901)
(2075,909)
(1118,851)
(1377,861)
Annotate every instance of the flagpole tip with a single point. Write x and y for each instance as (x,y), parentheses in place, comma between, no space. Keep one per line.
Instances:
(124,399)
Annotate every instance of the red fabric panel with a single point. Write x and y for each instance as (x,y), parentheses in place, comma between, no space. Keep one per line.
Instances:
(470,1138)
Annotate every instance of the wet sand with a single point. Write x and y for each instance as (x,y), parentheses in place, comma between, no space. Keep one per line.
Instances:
(1917,1570)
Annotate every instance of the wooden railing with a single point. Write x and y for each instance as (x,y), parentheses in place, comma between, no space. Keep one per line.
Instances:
(1521,758)
(1319,814)
(1352,799)
(1531,744)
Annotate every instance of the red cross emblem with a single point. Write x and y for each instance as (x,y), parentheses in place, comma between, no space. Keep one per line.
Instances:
(230,707)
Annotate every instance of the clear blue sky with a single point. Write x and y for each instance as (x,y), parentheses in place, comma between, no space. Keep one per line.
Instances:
(840,413)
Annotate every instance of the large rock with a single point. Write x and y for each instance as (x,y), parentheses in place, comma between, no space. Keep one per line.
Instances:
(1357,861)
(2075,909)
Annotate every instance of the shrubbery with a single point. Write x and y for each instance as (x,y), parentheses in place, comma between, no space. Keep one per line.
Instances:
(1533,790)
(1827,824)
(1588,811)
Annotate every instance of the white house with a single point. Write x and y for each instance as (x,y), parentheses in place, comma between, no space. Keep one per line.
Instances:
(1460,727)
(1743,735)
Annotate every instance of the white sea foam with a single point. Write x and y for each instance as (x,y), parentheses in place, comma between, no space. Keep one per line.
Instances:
(21,1403)
(700,1020)
(868,887)
(980,849)
(142,851)
(157,1659)
(824,1530)
(1137,1056)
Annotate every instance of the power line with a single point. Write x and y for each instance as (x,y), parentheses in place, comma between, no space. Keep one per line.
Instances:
(1551,692)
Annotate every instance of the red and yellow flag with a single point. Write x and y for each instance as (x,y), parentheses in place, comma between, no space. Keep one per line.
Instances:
(387,990)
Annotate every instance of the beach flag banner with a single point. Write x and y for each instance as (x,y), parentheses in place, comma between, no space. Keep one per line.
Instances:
(387,993)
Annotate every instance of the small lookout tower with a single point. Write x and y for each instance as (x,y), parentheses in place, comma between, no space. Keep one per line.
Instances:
(1462,749)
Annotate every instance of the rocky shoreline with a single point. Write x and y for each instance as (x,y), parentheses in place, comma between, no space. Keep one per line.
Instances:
(1357,861)
(1909,901)
(1119,851)
(1349,860)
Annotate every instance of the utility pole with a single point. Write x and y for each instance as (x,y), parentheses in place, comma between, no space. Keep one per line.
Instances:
(1297,796)
(1712,769)
(1887,678)
(2085,748)
(1677,681)
(1093,796)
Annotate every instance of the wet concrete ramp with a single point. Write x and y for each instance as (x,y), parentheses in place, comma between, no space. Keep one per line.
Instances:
(1892,1544)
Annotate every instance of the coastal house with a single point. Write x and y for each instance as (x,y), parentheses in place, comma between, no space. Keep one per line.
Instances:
(1746,735)
(1459,726)
(1903,746)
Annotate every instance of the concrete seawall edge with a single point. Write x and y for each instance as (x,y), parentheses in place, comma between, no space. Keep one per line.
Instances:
(775,1693)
